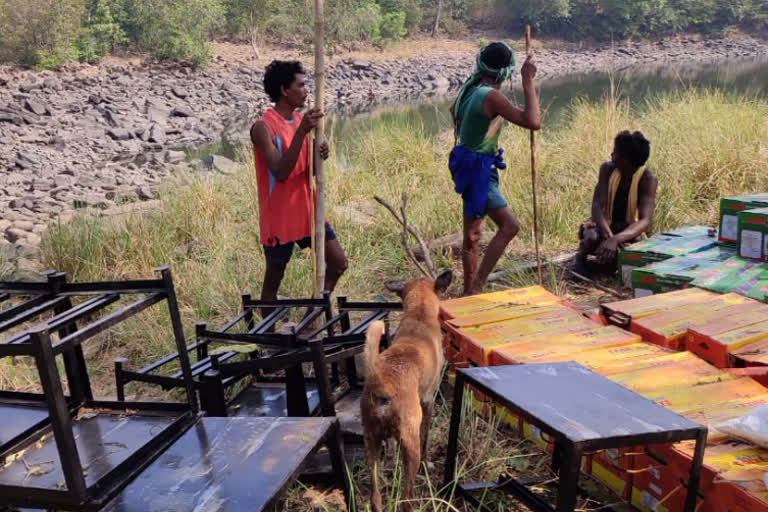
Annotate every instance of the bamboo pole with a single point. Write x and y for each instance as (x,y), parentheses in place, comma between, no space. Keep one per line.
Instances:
(319,164)
(313,206)
(529,52)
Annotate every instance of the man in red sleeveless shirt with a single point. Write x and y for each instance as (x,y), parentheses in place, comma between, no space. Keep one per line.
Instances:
(281,150)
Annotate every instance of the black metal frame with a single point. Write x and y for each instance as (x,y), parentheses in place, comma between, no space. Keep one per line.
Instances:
(566,458)
(337,340)
(55,295)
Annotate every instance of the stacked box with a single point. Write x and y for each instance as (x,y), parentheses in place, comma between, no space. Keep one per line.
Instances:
(739,275)
(470,305)
(669,328)
(753,234)
(753,354)
(622,313)
(711,340)
(730,207)
(663,246)
(677,273)
(476,343)
(716,346)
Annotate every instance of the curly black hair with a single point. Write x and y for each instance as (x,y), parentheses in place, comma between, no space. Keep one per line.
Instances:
(278,74)
(496,55)
(633,146)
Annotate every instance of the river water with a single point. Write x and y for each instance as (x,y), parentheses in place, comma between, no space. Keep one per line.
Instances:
(638,85)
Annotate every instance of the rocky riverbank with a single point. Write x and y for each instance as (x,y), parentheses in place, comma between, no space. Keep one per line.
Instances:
(98,136)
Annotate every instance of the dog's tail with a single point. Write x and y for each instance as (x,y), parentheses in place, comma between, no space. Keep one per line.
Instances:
(372,339)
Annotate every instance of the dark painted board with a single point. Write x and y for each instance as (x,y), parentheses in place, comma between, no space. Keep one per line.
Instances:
(268,400)
(223,465)
(16,419)
(103,442)
(577,402)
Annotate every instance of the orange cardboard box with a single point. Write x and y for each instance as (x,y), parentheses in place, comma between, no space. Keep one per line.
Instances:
(669,328)
(477,343)
(501,314)
(561,346)
(644,306)
(711,395)
(467,306)
(752,354)
(716,347)
(683,370)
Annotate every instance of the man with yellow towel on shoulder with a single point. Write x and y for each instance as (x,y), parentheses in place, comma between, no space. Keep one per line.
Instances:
(623,202)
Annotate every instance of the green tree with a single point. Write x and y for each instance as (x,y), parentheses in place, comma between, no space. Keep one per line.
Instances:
(179,29)
(39,33)
(101,33)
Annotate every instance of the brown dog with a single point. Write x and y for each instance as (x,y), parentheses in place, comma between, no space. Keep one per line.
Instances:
(400,383)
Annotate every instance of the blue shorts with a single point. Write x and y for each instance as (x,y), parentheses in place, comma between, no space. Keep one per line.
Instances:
(280,254)
(495,197)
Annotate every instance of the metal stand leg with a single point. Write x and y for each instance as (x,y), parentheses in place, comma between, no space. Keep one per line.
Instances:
(323,383)
(336,451)
(213,392)
(296,392)
(453,435)
(695,476)
(61,421)
(569,479)
(119,379)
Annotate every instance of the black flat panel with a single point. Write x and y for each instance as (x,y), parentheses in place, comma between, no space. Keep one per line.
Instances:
(224,465)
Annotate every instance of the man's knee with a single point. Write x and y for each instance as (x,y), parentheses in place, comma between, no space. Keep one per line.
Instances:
(472,237)
(338,263)
(589,240)
(510,228)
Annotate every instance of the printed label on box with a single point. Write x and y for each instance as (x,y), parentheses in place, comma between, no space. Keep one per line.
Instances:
(642,292)
(751,245)
(730,230)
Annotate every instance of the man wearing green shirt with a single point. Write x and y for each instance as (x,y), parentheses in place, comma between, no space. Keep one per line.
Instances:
(478,114)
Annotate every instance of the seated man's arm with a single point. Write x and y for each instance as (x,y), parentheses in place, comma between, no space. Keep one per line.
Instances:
(599,200)
(646,203)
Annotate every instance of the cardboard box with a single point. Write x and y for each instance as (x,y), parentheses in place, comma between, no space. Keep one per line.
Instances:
(677,273)
(753,234)
(702,337)
(752,354)
(749,496)
(716,347)
(560,347)
(663,246)
(739,275)
(730,207)
(669,328)
(468,306)
(683,370)
(621,313)
(477,343)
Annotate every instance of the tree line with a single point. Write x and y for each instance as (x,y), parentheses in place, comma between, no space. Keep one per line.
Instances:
(48,33)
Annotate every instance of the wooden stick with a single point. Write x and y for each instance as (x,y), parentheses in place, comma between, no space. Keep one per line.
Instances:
(428,269)
(529,51)
(320,168)
(313,206)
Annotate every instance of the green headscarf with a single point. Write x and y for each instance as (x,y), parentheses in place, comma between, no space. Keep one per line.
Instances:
(481,69)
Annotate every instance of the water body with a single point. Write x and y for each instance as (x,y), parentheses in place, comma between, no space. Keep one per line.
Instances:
(637,85)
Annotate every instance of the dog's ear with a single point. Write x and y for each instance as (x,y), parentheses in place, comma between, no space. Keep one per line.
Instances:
(443,281)
(396,286)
